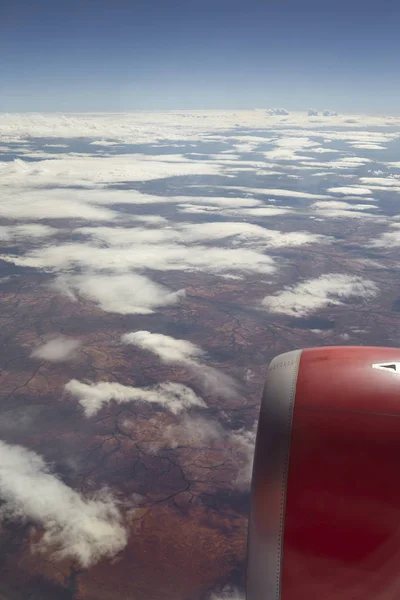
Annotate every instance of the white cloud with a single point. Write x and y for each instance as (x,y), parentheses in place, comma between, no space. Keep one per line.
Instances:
(232,232)
(228,593)
(87,170)
(103,143)
(198,209)
(256,213)
(328,204)
(287,148)
(128,293)
(167,348)
(350,190)
(272,112)
(321,150)
(154,127)
(344,210)
(25,203)
(163,257)
(151,219)
(224,203)
(321,174)
(312,112)
(276,192)
(108,259)
(368,146)
(336,209)
(175,397)
(390,184)
(201,432)
(329,113)
(327,290)
(194,431)
(58,349)
(56,145)
(32,205)
(175,351)
(14,233)
(265,211)
(244,441)
(345,214)
(345,162)
(214,383)
(81,528)
(390,239)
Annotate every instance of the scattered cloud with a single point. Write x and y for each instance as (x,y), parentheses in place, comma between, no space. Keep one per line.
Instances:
(369,146)
(336,209)
(320,150)
(272,112)
(329,113)
(32,205)
(82,528)
(390,239)
(128,293)
(175,351)
(200,432)
(287,148)
(232,232)
(350,190)
(224,203)
(277,192)
(161,257)
(244,441)
(256,213)
(67,169)
(58,349)
(214,382)
(340,204)
(103,143)
(313,294)
(389,184)
(151,219)
(174,397)
(56,145)
(197,432)
(25,232)
(344,214)
(344,162)
(312,112)
(167,348)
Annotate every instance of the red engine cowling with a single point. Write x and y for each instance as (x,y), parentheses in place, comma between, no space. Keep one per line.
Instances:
(325,516)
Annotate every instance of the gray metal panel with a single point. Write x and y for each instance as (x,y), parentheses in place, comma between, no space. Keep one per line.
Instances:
(269,483)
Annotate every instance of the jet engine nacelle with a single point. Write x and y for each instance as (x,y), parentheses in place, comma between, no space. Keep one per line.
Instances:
(325,515)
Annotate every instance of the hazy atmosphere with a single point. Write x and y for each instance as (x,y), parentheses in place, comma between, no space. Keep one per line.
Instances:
(153,262)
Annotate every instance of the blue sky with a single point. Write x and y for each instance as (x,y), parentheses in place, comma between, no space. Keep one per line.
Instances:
(95,55)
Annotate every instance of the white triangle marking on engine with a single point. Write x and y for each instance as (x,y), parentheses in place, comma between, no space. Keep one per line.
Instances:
(389,367)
